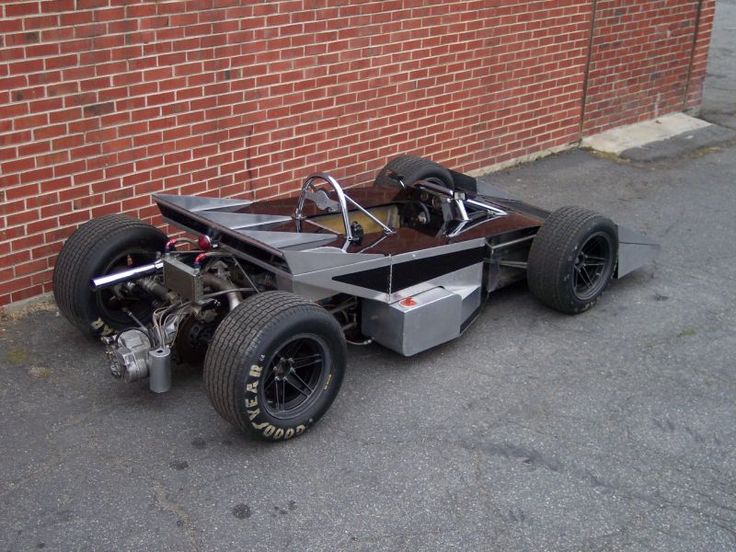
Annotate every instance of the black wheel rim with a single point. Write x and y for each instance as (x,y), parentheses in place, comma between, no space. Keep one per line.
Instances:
(593,266)
(112,302)
(295,376)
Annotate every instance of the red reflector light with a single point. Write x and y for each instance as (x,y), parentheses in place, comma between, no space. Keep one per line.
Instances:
(204,242)
(408,302)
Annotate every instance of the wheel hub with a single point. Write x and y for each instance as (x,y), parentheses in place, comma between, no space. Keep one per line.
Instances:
(292,380)
(283,368)
(591,263)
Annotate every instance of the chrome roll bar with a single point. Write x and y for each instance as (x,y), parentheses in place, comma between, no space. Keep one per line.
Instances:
(459,200)
(309,191)
(309,186)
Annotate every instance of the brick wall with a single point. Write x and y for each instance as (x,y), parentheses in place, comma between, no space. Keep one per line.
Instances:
(699,63)
(105,101)
(641,59)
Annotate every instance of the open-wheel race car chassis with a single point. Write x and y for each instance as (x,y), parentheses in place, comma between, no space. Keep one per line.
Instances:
(267,294)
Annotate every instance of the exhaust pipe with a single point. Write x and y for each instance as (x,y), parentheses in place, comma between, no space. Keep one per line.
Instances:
(233,297)
(110,280)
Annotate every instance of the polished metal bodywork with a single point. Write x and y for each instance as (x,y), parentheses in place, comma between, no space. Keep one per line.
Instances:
(416,324)
(634,250)
(419,283)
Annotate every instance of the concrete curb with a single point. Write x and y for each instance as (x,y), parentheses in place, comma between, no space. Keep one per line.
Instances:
(662,138)
(681,144)
(19,309)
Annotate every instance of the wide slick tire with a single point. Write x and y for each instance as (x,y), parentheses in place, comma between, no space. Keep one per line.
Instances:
(275,365)
(572,259)
(98,247)
(413,168)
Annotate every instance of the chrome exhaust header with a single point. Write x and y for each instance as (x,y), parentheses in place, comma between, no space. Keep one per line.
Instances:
(110,280)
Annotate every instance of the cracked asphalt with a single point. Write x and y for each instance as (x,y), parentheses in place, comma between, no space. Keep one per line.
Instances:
(612,430)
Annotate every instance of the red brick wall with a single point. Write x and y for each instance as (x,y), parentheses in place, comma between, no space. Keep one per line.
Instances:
(641,58)
(105,101)
(699,63)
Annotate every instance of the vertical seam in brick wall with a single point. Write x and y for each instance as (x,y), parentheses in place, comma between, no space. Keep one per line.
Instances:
(586,74)
(696,32)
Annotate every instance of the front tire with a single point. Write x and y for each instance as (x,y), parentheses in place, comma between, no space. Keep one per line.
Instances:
(98,247)
(572,259)
(275,365)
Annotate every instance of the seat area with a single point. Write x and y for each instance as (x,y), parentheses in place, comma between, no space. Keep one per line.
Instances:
(387,214)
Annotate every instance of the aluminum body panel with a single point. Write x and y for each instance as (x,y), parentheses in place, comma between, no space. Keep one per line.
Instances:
(193,222)
(238,221)
(284,240)
(634,250)
(198,203)
(324,258)
(468,284)
(321,283)
(439,250)
(432,318)
(462,282)
(471,306)
(387,278)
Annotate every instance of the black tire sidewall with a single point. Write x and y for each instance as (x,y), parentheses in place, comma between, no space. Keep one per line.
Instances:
(431,172)
(565,275)
(413,169)
(135,240)
(249,385)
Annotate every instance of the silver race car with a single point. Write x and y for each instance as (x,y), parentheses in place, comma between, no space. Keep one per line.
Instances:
(267,294)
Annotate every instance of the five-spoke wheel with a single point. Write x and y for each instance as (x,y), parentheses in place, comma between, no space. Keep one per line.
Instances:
(294,374)
(275,365)
(572,259)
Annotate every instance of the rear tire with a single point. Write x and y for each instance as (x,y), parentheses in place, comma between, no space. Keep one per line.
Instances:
(98,247)
(572,259)
(412,168)
(275,365)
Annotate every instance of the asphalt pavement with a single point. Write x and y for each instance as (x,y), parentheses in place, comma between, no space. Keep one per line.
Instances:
(611,430)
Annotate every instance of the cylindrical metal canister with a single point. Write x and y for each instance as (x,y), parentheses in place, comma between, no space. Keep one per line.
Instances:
(159,370)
